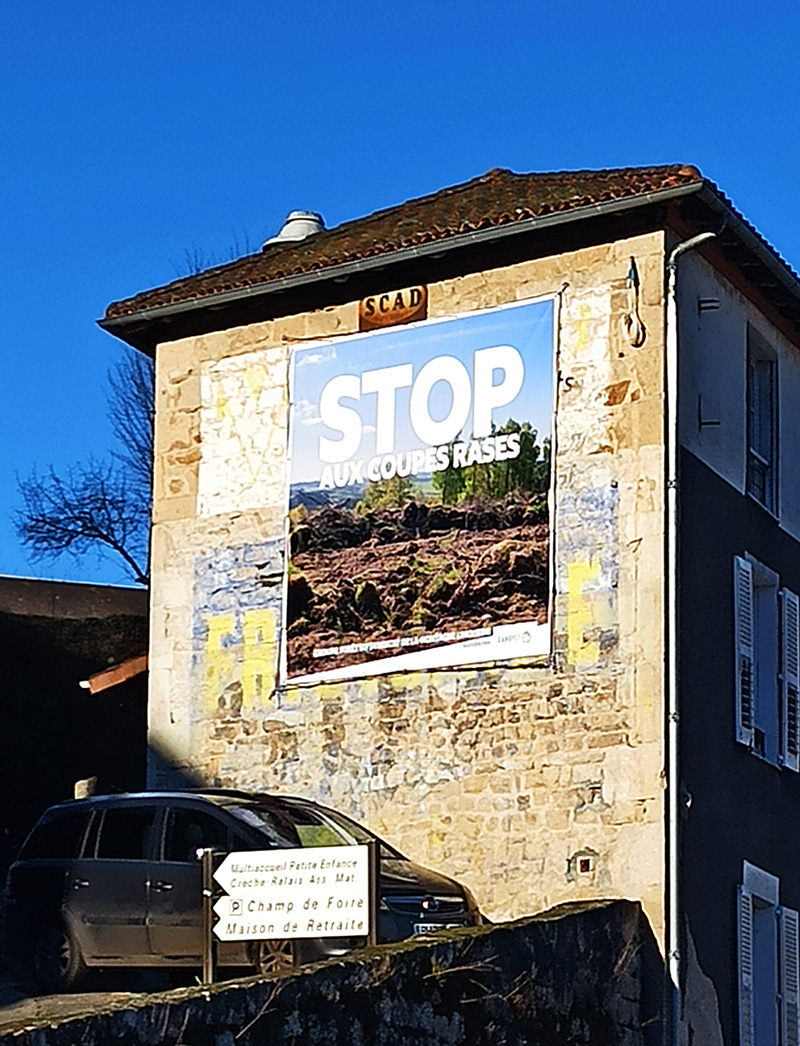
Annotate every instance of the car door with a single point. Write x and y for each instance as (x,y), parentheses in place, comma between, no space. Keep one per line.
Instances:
(175,916)
(108,889)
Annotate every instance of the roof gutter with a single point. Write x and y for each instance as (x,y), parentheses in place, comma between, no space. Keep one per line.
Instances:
(118,325)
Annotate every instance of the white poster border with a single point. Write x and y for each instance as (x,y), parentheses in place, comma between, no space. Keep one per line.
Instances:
(506,647)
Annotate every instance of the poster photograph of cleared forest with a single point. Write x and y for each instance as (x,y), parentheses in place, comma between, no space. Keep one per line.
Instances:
(419,479)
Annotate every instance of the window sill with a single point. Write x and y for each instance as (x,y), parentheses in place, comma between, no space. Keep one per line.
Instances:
(777,765)
(769,511)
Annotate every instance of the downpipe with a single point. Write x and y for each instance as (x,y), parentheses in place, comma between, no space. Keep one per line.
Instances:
(673,905)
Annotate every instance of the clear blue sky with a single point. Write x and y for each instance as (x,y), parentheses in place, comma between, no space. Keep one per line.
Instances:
(133,134)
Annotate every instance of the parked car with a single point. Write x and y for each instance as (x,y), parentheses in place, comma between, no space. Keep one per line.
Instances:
(115,881)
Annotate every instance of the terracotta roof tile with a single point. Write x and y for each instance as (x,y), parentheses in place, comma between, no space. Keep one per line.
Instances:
(497,198)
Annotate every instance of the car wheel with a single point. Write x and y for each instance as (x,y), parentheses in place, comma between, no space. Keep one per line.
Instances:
(274,957)
(57,959)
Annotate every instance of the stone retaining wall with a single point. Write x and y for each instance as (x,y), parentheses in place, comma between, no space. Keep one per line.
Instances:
(590,975)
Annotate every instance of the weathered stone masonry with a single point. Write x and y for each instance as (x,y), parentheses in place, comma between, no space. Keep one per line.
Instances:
(589,977)
(534,784)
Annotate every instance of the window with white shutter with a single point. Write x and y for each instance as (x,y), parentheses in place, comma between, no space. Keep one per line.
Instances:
(767,663)
(762,421)
(744,634)
(790,677)
(790,977)
(769,963)
(746,1027)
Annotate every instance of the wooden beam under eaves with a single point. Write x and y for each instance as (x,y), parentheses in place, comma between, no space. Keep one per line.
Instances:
(116,674)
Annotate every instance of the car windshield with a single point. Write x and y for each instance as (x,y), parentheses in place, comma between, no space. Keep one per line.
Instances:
(288,823)
(351,831)
(279,830)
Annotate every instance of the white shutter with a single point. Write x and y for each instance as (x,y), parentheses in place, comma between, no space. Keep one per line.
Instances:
(744,639)
(790,683)
(790,977)
(746,1029)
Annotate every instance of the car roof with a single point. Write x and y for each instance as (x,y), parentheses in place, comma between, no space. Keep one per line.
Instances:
(218,796)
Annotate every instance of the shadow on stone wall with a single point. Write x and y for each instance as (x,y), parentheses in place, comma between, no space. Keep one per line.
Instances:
(586,974)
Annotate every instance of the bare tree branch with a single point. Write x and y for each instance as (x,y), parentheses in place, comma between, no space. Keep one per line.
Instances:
(131,411)
(197,259)
(90,510)
(100,506)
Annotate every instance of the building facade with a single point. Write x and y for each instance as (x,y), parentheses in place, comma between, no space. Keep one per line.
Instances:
(465,525)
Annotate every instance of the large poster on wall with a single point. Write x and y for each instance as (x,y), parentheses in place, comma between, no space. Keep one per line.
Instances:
(419,478)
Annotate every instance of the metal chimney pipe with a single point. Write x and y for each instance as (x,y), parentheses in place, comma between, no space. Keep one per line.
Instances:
(298,225)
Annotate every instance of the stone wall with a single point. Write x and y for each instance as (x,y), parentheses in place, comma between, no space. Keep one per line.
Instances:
(592,977)
(534,784)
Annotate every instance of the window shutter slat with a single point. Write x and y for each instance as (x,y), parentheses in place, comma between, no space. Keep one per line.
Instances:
(790,683)
(790,978)
(746,1032)
(743,626)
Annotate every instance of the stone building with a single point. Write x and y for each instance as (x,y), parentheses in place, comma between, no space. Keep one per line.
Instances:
(474,518)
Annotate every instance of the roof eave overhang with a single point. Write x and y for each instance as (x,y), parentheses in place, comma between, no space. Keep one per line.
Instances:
(141,329)
(147,327)
(751,240)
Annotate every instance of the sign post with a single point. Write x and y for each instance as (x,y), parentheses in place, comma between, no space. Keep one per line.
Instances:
(374,869)
(206,856)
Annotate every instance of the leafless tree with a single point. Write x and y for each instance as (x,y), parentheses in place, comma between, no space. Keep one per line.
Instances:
(100,506)
(131,411)
(196,259)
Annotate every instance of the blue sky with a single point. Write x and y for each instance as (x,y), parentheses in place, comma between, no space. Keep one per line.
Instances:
(134,135)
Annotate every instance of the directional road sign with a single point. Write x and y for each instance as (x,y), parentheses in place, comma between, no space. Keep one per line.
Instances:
(319,891)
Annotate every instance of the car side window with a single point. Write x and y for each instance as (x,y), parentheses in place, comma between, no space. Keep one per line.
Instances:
(59,836)
(126,833)
(189,830)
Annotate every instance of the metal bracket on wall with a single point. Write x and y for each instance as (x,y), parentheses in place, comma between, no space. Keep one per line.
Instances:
(633,329)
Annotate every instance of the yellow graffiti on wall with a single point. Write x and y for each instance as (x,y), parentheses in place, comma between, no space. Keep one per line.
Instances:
(240,409)
(221,402)
(579,614)
(219,661)
(255,378)
(582,340)
(249,657)
(258,655)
